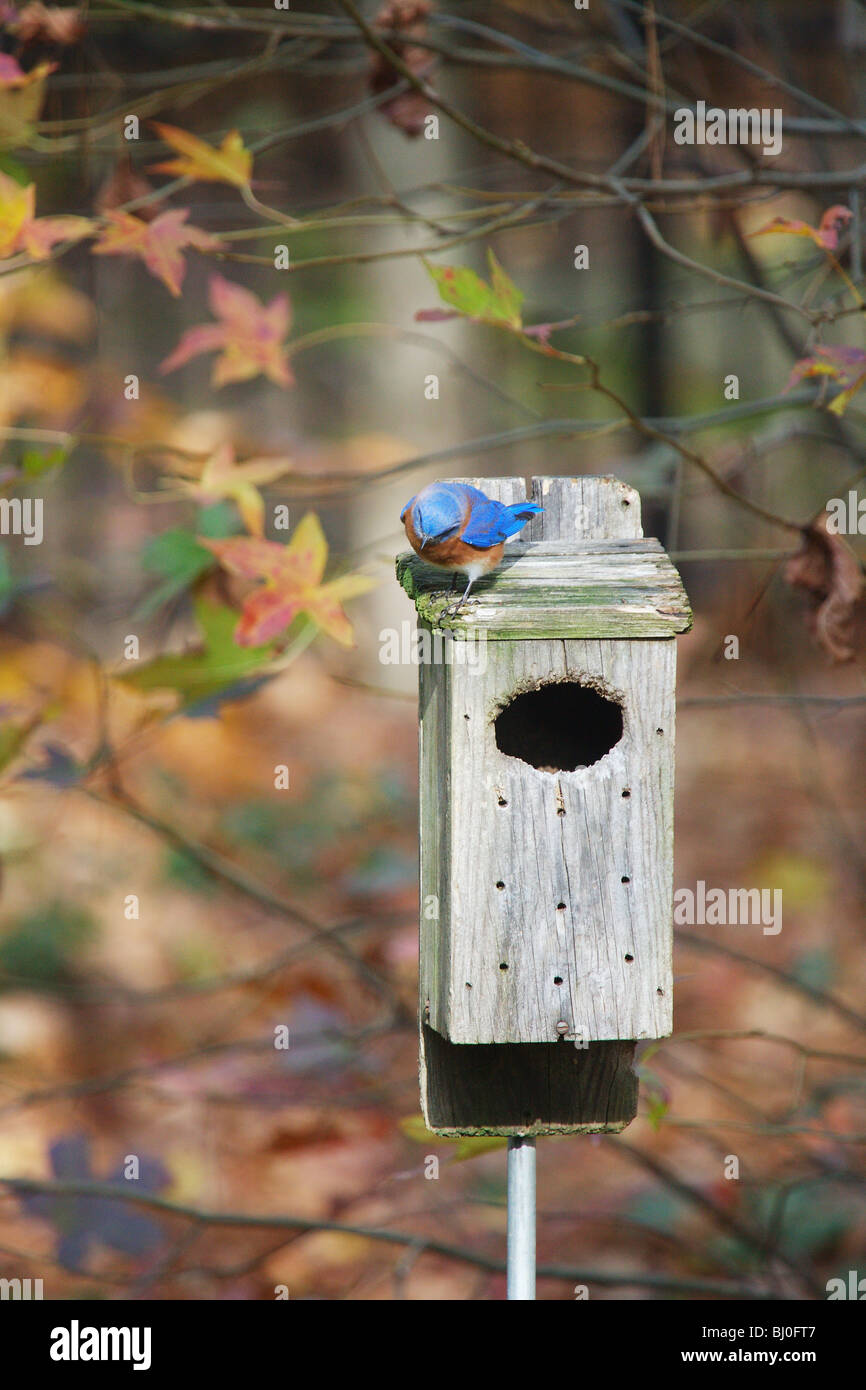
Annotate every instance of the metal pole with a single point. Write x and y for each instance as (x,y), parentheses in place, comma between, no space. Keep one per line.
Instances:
(521,1219)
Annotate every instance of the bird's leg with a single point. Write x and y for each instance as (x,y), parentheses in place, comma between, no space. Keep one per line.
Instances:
(454,608)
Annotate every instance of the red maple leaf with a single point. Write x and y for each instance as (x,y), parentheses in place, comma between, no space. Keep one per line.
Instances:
(159,243)
(292,584)
(249,336)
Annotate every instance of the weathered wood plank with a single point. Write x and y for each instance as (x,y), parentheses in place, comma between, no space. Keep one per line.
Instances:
(536,593)
(535,892)
(594,508)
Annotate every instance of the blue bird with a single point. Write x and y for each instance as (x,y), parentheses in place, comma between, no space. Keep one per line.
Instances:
(457,527)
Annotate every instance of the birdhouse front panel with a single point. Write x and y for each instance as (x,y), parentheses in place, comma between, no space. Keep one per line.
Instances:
(553,811)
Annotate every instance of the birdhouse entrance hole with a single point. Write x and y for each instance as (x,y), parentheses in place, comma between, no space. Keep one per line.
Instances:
(559,727)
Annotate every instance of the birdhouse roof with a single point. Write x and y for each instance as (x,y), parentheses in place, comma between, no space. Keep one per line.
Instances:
(597,588)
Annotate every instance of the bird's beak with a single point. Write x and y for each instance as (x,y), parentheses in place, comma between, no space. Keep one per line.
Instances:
(424,542)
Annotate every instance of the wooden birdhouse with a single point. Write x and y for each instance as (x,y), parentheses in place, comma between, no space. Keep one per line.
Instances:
(547,773)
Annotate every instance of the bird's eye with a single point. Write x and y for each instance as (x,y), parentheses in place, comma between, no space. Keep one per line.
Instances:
(449,531)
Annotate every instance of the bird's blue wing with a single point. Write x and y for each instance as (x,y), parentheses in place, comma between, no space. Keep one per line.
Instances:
(490,522)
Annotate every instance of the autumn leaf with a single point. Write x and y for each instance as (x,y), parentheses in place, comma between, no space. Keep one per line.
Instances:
(216,663)
(44,305)
(22,96)
(230,163)
(406,110)
(41,386)
(221,477)
(21,230)
(159,243)
(48,23)
(825,235)
(248,336)
(830,573)
(125,184)
(292,583)
(13,75)
(499,302)
(845,365)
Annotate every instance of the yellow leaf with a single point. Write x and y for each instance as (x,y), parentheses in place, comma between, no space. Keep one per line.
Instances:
(221,477)
(230,163)
(21,104)
(308,549)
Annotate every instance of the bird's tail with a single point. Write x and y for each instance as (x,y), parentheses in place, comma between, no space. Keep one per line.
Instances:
(518,515)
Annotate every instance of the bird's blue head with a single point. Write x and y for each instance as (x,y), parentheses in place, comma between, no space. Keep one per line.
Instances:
(437,513)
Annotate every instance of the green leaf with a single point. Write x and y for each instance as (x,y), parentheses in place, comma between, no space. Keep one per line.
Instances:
(472,1145)
(177,556)
(8,584)
(40,948)
(197,675)
(415,1128)
(182,869)
(12,740)
(498,302)
(657,1108)
(466,1145)
(217,521)
(655,1094)
(14,168)
(507,296)
(34,464)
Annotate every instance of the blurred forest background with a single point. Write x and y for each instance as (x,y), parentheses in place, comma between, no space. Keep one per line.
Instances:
(168,902)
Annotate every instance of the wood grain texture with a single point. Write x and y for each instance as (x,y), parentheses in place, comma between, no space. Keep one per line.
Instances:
(534,891)
(594,508)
